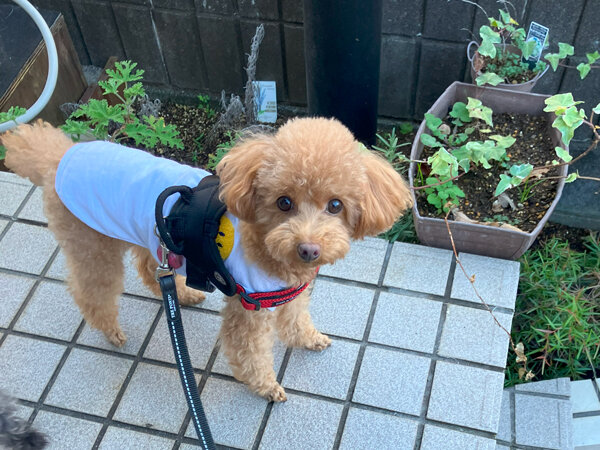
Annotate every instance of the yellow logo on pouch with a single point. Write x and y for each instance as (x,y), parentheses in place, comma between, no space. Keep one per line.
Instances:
(225,237)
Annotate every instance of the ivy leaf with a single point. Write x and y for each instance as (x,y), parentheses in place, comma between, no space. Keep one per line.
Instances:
(563,154)
(459,111)
(597,109)
(592,57)
(565,50)
(503,141)
(478,111)
(503,185)
(430,141)
(505,16)
(443,163)
(489,78)
(566,131)
(571,177)
(584,69)
(521,171)
(553,59)
(572,117)
(559,103)
(527,48)
(489,37)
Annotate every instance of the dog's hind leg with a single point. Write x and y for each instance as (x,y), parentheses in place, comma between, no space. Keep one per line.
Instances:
(146,266)
(247,338)
(95,267)
(295,326)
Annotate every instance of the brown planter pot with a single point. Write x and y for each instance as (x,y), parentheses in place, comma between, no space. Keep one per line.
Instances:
(519,87)
(475,238)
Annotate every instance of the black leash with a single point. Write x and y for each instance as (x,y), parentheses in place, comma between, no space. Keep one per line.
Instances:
(166,278)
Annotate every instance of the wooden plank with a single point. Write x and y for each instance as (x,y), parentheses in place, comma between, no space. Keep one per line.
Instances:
(28,85)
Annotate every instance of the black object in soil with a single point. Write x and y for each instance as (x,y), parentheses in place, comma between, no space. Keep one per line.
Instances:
(342,41)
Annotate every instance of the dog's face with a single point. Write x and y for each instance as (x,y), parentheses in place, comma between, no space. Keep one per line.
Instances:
(305,192)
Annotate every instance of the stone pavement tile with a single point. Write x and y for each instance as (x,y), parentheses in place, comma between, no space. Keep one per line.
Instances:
(496,280)
(340,310)
(435,438)
(418,268)
(233,412)
(467,396)
(363,262)
(201,332)
(88,382)
(301,423)
(584,397)
(326,373)
(406,322)
(502,447)
(586,431)
(120,439)
(51,312)
(66,432)
(505,426)
(13,290)
(550,429)
(135,317)
(3,224)
(558,386)
(471,334)
(392,380)
(26,366)
(34,208)
(133,284)
(384,431)
(212,302)
(58,269)
(153,391)
(13,190)
(26,248)
(222,366)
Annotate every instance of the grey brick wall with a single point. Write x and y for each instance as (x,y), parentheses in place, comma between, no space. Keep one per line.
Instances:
(201,45)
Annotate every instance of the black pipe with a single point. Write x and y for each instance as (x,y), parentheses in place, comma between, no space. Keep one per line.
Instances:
(342,41)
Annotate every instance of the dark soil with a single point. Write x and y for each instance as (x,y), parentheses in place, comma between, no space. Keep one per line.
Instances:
(483,61)
(533,146)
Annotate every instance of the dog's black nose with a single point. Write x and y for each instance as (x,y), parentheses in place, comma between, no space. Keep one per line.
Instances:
(309,252)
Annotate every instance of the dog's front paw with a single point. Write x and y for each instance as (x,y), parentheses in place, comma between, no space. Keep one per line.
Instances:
(320,342)
(275,393)
(116,337)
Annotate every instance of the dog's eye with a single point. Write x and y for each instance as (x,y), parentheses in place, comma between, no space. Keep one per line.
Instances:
(334,206)
(284,203)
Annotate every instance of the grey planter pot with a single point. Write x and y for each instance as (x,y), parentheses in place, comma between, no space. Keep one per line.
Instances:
(520,87)
(475,238)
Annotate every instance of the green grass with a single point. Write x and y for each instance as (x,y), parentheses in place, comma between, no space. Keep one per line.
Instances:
(557,313)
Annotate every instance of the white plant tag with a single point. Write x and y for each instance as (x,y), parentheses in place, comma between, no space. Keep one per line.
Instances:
(266,101)
(539,34)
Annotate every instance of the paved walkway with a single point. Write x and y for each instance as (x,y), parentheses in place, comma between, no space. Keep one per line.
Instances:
(416,361)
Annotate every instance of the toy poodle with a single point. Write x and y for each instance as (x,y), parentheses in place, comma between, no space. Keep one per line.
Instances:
(15,432)
(298,197)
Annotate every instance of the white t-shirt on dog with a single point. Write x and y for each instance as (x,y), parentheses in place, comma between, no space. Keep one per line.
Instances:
(113,189)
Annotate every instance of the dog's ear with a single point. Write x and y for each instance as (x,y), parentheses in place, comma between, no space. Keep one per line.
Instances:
(237,171)
(386,196)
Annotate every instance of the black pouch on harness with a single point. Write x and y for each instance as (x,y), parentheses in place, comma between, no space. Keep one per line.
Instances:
(190,230)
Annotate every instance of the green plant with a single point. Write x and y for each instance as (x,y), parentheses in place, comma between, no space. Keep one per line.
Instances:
(204,105)
(119,122)
(388,147)
(222,149)
(454,154)
(498,62)
(557,313)
(10,115)
(403,230)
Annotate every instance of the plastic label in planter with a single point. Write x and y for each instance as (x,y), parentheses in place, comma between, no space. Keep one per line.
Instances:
(539,34)
(266,101)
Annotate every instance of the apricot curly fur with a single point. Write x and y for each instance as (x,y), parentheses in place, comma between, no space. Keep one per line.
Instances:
(310,160)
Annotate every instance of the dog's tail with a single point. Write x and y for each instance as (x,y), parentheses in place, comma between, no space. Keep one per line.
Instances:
(34,151)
